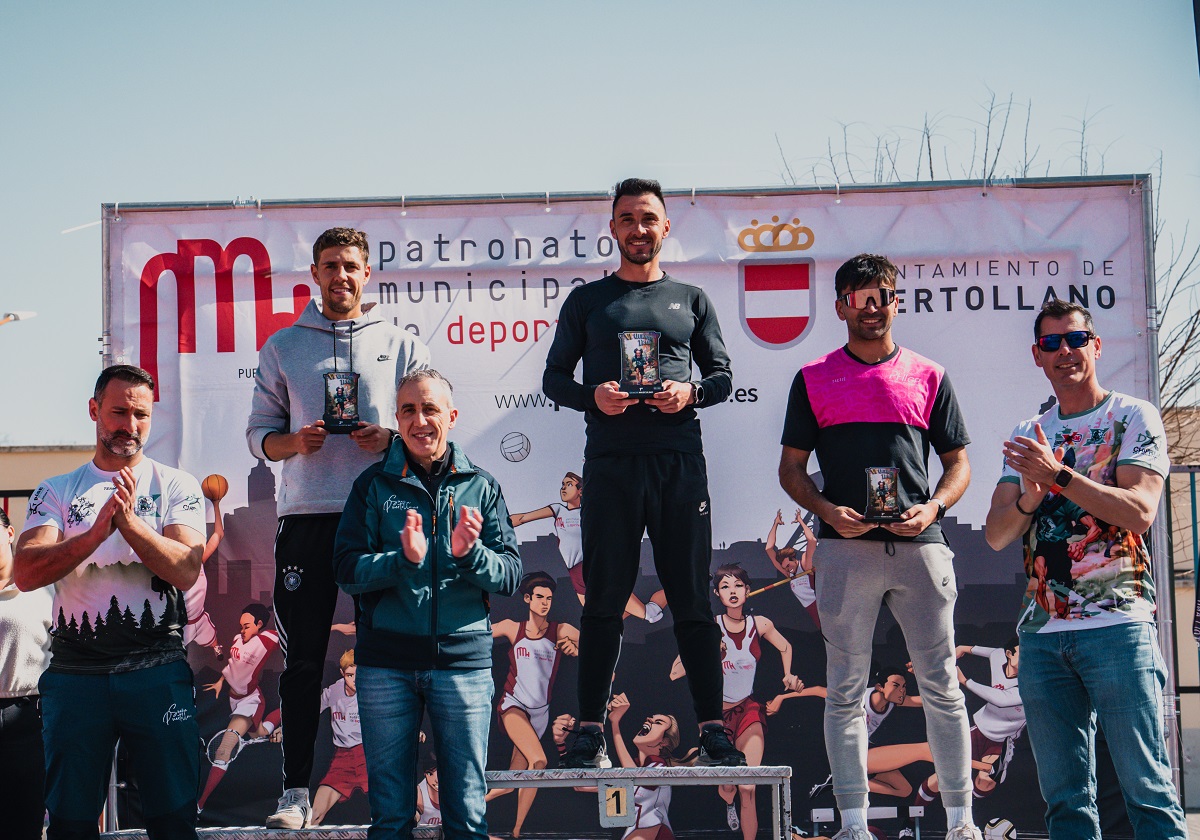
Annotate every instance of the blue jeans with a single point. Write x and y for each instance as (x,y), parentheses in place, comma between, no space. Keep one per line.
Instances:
(1114,674)
(391,703)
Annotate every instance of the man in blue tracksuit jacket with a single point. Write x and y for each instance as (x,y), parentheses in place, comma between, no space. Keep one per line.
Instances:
(423,542)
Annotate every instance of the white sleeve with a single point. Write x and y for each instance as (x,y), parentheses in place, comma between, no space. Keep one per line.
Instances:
(325,696)
(1144,443)
(45,508)
(1025,429)
(185,504)
(1002,697)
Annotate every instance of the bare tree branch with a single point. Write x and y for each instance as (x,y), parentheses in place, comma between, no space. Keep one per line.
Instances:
(789,176)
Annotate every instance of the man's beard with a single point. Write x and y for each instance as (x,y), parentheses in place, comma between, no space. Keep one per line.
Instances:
(640,259)
(122,444)
(342,308)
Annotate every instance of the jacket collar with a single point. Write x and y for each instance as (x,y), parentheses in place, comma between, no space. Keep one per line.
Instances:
(396,461)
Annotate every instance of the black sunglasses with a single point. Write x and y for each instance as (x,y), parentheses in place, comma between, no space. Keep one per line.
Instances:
(1075,339)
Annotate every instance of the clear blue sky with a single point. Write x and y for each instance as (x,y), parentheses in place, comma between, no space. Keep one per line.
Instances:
(149,101)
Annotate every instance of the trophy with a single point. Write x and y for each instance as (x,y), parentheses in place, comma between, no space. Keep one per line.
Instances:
(341,402)
(883,495)
(639,363)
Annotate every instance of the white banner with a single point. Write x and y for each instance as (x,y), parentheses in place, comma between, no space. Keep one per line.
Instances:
(195,292)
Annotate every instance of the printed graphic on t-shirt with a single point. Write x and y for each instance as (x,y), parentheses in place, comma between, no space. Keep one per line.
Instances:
(1080,567)
(111,612)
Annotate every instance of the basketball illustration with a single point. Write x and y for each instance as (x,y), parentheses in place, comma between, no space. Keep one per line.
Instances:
(214,487)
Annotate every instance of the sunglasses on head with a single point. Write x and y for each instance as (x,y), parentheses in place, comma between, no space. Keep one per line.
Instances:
(861,298)
(1075,340)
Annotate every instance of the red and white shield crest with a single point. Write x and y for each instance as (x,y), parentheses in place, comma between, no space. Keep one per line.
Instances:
(776,299)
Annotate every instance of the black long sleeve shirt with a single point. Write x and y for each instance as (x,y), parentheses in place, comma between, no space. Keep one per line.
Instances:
(589,322)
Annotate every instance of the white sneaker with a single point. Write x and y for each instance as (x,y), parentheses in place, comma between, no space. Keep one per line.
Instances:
(966,831)
(852,833)
(731,817)
(653,613)
(293,810)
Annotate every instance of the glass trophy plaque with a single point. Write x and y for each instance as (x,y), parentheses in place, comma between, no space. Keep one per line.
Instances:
(341,402)
(640,376)
(883,495)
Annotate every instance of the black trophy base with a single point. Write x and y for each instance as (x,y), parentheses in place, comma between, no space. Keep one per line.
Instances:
(642,391)
(880,520)
(337,426)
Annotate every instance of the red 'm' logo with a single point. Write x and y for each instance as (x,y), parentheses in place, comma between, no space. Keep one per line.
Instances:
(182,264)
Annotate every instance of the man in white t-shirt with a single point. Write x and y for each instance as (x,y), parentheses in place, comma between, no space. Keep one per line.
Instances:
(121,539)
(1081,485)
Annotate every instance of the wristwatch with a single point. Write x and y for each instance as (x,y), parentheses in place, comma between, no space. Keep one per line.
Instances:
(941,508)
(697,393)
(1062,479)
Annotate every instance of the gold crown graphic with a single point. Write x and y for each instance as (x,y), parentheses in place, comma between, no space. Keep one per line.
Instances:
(776,236)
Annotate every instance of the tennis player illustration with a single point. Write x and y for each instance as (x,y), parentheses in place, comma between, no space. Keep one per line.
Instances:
(248,654)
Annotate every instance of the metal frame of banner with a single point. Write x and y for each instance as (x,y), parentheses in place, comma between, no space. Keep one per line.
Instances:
(110,212)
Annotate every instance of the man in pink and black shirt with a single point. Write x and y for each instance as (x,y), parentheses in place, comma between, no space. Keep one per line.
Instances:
(873,404)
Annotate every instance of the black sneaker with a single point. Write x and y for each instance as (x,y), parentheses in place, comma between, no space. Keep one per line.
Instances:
(716,750)
(587,750)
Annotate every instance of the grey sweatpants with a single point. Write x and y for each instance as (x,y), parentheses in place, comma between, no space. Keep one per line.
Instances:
(916,581)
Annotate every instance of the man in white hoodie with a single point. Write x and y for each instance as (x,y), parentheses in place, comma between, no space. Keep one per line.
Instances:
(341,345)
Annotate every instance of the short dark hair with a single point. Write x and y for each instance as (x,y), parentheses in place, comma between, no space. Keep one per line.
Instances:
(574,477)
(4,520)
(258,612)
(636,187)
(132,374)
(533,580)
(732,570)
(864,270)
(1013,644)
(1058,308)
(886,671)
(341,237)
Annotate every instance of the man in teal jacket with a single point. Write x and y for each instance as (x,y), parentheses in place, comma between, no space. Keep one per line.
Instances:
(423,542)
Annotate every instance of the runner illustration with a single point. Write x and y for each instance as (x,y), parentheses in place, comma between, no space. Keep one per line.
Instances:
(570,544)
(795,561)
(348,770)
(655,743)
(524,707)
(248,654)
(744,716)
(888,691)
